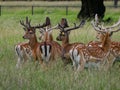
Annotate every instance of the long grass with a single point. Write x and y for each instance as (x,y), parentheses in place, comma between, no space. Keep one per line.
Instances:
(56,77)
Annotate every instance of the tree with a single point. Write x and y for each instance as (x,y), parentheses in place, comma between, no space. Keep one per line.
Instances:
(115,3)
(90,7)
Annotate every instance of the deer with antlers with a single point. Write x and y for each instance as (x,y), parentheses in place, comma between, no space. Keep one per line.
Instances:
(27,50)
(64,37)
(96,52)
(115,46)
(52,53)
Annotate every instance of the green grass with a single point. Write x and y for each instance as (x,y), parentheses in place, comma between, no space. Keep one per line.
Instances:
(56,77)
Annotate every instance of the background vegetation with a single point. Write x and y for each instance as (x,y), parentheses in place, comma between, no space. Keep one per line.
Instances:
(56,77)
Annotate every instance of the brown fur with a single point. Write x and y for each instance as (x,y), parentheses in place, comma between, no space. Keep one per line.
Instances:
(55,47)
(95,51)
(64,37)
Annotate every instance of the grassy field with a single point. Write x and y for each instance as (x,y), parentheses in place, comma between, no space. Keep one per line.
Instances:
(55,78)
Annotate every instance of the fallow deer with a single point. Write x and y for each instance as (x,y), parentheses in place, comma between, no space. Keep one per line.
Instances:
(66,46)
(51,53)
(96,53)
(46,37)
(27,50)
(115,46)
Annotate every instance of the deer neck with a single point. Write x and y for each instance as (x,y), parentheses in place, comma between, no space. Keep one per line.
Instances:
(48,37)
(32,42)
(106,42)
(65,41)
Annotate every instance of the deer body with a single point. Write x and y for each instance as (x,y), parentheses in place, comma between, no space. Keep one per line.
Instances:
(66,47)
(23,52)
(28,50)
(92,53)
(51,49)
(95,51)
(64,37)
(115,48)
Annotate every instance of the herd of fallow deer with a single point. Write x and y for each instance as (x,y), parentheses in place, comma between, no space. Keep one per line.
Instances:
(100,53)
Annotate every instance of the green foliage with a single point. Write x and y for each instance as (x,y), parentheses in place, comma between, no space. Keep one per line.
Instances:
(56,77)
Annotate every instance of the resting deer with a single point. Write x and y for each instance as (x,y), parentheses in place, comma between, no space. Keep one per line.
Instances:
(64,37)
(27,50)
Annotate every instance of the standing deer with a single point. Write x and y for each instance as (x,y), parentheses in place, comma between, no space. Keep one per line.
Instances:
(51,53)
(27,50)
(96,53)
(64,37)
(115,46)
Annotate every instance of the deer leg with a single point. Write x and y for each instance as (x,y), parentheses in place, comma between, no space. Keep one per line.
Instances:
(19,62)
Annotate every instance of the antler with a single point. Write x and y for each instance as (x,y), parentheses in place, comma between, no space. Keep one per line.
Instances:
(27,25)
(96,19)
(113,26)
(48,29)
(96,27)
(47,23)
(64,23)
(55,27)
(75,27)
(101,29)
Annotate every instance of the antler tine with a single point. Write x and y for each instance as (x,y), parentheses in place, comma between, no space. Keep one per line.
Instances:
(22,23)
(116,30)
(96,19)
(97,28)
(42,30)
(116,24)
(28,22)
(46,23)
(38,26)
(60,27)
(27,25)
(41,26)
(76,27)
(55,27)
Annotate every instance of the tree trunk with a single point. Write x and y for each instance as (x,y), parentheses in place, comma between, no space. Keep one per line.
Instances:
(115,3)
(91,7)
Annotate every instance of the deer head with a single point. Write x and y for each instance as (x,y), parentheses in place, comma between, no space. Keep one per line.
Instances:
(46,33)
(100,28)
(64,33)
(29,30)
(104,33)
